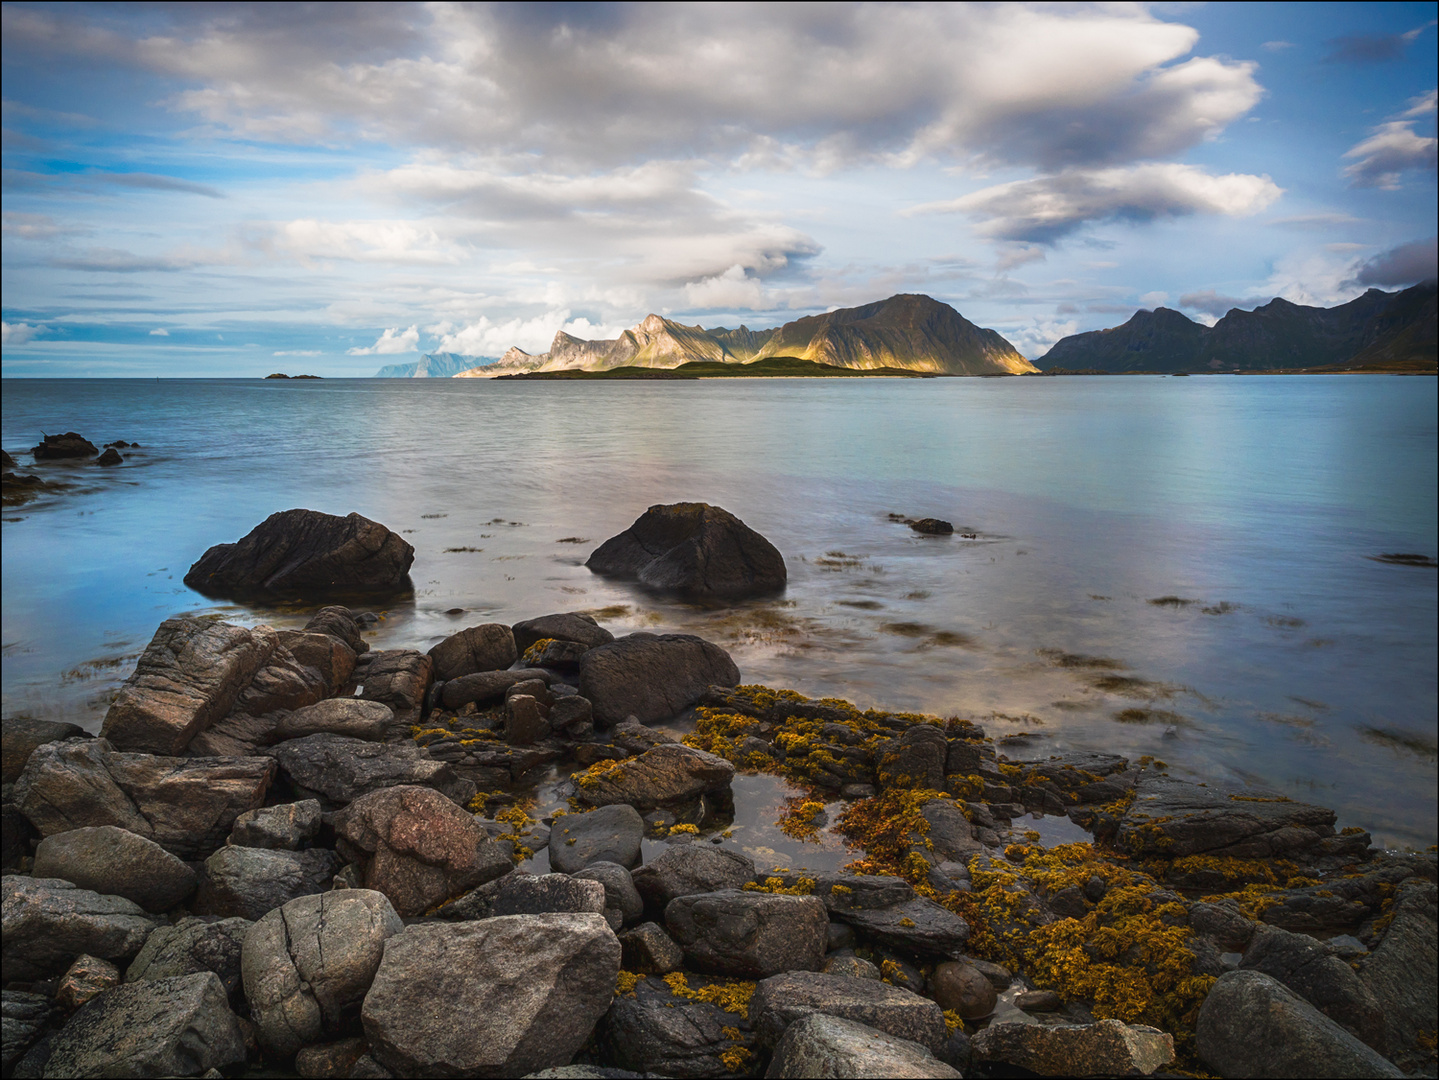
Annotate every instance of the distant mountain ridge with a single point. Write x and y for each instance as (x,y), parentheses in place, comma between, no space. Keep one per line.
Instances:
(1392,330)
(909,331)
(433,366)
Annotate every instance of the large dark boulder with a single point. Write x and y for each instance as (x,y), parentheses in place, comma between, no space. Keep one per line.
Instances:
(306,552)
(488,647)
(1326,981)
(69,445)
(693,550)
(652,677)
(749,934)
(249,883)
(610,834)
(192,946)
(338,769)
(567,626)
(692,869)
(653,1031)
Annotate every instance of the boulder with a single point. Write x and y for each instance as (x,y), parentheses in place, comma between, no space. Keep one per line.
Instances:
(692,869)
(528,894)
(341,623)
(21,735)
(69,445)
(118,862)
(555,655)
(651,677)
(236,735)
(950,837)
(250,882)
(286,827)
(1327,982)
(648,950)
(932,527)
(340,769)
(609,834)
(489,647)
(843,893)
(622,901)
(400,678)
(916,925)
(1252,1025)
(963,989)
(331,657)
(749,934)
(668,773)
(483,687)
(283,684)
(192,946)
(1105,1048)
(1175,818)
(782,999)
(308,964)
(191,674)
(525,723)
(693,550)
(569,626)
(85,979)
(168,1027)
(830,1046)
(417,847)
(332,1060)
(22,1020)
(1400,971)
(653,1031)
(305,552)
(573,714)
(48,922)
(444,1001)
(915,760)
(354,717)
(850,965)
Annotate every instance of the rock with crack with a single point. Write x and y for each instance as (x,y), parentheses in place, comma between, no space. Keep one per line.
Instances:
(749,934)
(48,922)
(355,717)
(651,677)
(830,1046)
(444,1001)
(400,678)
(1105,1048)
(192,946)
(339,769)
(285,827)
(307,965)
(251,882)
(670,773)
(417,847)
(117,861)
(782,999)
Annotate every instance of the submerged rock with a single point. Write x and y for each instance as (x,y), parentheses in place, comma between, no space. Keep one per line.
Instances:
(694,550)
(651,677)
(305,552)
(69,445)
(829,1046)
(1105,1048)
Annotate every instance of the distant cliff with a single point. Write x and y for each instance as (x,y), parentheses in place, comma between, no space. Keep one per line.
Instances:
(916,333)
(432,366)
(1394,331)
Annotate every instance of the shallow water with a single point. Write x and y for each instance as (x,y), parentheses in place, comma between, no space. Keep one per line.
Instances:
(1281,653)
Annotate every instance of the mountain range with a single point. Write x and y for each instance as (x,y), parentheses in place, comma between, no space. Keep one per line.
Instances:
(432,366)
(1379,330)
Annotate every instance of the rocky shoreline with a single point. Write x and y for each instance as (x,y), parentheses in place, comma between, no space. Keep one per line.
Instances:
(289,853)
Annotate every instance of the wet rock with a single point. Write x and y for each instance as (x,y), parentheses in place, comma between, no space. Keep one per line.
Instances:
(331,657)
(22,1019)
(417,847)
(436,979)
(282,684)
(69,445)
(169,1027)
(489,647)
(748,934)
(524,723)
(338,622)
(648,950)
(1324,980)
(87,977)
(687,871)
(622,901)
(286,827)
(1175,818)
(670,773)
(191,946)
(782,999)
(932,527)
(915,760)
(331,1060)
(962,988)
(655,1032)
(851,966)
(1400,971)
(607,834)
(951,836)
(308,964)
(341,769)
(1105,1048)
(305,552)
(483,687)
(118,862)
(651,677)
(527,894)
(570,626)
(574,714)
(854,892)
(1041,1001)
(21,735)
(1224,922)
(694,550)
(917,925)
(251,882)
(189,676)
(400,678)
(1252,1025)
(556,655)
(48,922)
(829,1046)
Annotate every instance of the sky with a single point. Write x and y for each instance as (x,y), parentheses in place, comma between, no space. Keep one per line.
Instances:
(232,189)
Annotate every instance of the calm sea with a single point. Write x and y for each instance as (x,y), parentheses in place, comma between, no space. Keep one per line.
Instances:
(1282,653)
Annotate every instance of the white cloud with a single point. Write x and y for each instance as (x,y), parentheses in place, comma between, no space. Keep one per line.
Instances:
(1048,208)
(393,340)
(17,333)
(298,352)
(159,331)
(1395,148)
(732,290)
(485,337)
(1153,300)
(309,239)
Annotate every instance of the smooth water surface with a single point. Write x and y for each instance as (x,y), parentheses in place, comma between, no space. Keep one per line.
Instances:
(1282,654)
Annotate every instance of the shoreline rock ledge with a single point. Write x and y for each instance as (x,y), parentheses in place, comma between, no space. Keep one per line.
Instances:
(306,552)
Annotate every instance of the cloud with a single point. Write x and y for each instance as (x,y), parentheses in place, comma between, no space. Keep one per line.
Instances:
(484,337)
(309,239)
(732,290)
(1393,149)
(390,342)
(1014,255)
(1371,48)
(1406,264)
(17,333)
(302,352)
(1277,46)
(1046,209)
(1213,303)
(32,226)
(160,332)
(1308,222)
(1154,299)
(152,182)
(105,260)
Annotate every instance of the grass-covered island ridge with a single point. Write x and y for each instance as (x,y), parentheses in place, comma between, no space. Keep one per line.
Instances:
(532,849)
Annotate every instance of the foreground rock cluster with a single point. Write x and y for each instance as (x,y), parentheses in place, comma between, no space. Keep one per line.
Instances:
(287,851)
